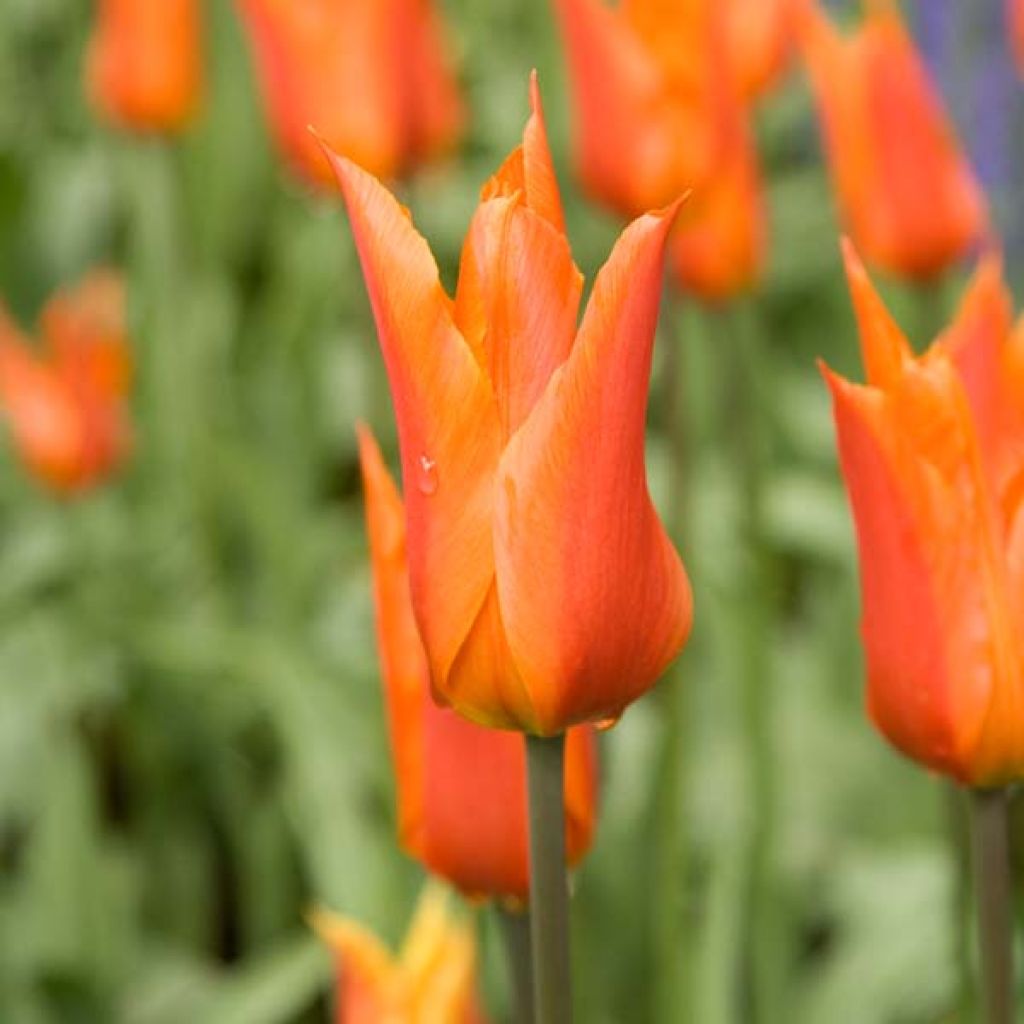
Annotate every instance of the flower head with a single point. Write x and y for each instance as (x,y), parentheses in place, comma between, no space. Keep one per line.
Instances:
(65,403)
(370,76)
(905,190)
(932,450)
(545,588)
(433,978)
(144,69)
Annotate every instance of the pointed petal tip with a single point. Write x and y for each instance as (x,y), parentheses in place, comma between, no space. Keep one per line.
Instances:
(852,263)
(534,90)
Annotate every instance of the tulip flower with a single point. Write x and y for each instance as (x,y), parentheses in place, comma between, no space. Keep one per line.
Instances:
(461,787)
(932,451)
(647,79)
(1015,23)
(433,978)
(144,69)
(546,590)
(718,248)
(760,38)
(905,191)
(64,403)
(370,75)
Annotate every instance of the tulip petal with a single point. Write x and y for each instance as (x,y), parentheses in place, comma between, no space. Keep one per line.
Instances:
(884,347)
(403,662)
(623,105)
(461,787)
(517,302)
(436,116)
(594,599)
(529,168)
(447,422)
(977,342)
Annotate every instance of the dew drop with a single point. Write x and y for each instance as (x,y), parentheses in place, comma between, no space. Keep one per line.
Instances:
(426,475)
(607,723)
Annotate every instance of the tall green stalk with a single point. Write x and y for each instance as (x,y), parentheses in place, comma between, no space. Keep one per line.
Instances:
(747,421)
(515,930)
(672,959)
(990,843)
(549,880)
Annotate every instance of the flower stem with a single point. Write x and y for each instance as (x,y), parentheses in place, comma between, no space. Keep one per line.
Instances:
(991,860)
(672,983)
(549,881)
(515,930)
(750,429)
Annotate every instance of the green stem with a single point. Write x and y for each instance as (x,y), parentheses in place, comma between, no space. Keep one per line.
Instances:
(751,462)
(515,930)
(549,880)
(672,987)
(991,861)
(959,842)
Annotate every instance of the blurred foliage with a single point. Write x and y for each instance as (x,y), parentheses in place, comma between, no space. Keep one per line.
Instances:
(192,746)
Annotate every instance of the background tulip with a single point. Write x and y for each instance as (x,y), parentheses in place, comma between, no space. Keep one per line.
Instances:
(1015,25)
(433,978)
(931,452)
(461,787)
(144,67)
(647,80)
(905,190)
(370,75)
(64,404)
(545,589)
(761,38)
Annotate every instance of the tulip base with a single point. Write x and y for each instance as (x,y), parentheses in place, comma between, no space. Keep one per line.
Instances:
(515,931)
(549,880)
(991,864)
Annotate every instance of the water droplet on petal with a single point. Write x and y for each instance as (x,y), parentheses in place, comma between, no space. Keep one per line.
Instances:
(426,475)
(607,723)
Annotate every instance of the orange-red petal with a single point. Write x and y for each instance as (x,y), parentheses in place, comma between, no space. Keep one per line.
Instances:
(638,144)
(144,68)
(447,418)
(461,787)
(594,599)
(718,247)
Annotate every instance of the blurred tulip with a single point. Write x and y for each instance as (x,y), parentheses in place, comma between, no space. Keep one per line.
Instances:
(64,404)
(144,68)
(647,80)
(761,34)
(433,979)
(1015,23)
(546,590)
(932,449)
(461,787)
(718,247)
(905,190)
(369,75)
(657,113)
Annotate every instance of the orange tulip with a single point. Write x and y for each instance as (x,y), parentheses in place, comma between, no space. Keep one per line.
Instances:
(932,449)
(904,188)
(1015,22)
(718,248)
(657,112)
(65,405)
(369,75)
(433,979)
(144,69)
(760,37)
(647,80)
(461,787)
(546,590)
